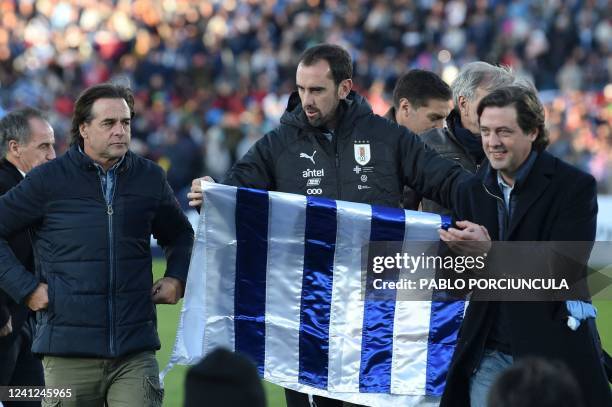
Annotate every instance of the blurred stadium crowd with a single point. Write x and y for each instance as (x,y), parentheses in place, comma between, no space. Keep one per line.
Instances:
(210,77)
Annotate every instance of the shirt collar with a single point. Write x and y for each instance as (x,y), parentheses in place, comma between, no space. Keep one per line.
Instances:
(521,173)
(502,183)
(98,166)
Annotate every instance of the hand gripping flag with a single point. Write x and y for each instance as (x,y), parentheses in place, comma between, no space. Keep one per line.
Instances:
(278,277)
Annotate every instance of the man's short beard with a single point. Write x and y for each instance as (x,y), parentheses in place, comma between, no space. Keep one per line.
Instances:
(318,122)
(323,121)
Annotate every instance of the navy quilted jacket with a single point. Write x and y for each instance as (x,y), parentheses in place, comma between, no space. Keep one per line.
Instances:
(95,257)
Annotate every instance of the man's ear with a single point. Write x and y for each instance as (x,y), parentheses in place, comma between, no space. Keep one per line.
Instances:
(404,106)
(462,104)
(83,130)
(13,148)
(533,135)
(344,88)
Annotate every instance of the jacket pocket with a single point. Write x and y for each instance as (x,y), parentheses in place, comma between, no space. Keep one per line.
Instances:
(153,392)
(50,294)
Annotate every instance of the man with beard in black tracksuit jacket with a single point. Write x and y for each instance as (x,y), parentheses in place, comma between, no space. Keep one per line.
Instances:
(331,144)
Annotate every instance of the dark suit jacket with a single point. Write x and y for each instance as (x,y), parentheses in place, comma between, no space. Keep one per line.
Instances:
(557,202)
(21,245)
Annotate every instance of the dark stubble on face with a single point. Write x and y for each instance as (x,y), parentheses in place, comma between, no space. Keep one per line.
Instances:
(327,122)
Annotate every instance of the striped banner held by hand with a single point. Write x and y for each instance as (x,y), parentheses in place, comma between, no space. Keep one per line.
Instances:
(278,277)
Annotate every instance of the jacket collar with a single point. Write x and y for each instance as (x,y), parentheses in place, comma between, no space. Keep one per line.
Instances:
(85,162)
(471,142)
(390,115)
(533,184)
(349,110)
(12,169)
(491,180)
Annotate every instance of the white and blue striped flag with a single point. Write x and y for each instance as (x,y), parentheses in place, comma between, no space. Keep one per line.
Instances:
(277,277)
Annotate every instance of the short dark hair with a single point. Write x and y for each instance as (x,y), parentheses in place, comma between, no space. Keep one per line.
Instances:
(419,86)
(529,110)
(82,108)
(16,126)
(337,57)
(533,382)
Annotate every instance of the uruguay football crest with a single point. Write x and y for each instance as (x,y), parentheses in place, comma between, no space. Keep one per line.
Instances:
(362,153)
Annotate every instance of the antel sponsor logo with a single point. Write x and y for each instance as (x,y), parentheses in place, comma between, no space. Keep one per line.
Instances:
(313,173)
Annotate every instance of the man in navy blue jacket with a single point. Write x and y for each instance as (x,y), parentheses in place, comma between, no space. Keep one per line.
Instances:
(92,212)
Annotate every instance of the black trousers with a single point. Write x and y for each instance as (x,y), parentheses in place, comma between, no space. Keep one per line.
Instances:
(295,399)
(19,367)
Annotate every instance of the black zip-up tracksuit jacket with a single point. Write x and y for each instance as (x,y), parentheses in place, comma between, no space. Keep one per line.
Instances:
(368,160)
(96,258)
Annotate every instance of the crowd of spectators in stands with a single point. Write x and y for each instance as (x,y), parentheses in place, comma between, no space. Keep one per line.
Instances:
(211,77)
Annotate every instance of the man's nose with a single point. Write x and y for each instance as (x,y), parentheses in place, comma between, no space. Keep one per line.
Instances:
(51,154)
(120,130)
(307,99)
(494,140)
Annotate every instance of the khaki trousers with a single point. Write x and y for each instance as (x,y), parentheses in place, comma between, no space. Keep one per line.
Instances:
(128,381)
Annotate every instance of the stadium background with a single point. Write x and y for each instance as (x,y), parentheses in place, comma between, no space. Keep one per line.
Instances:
(211,77)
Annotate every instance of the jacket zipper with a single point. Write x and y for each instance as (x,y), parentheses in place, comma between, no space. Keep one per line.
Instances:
(109,211)
(111,255)
(504,208)
(337,157)
(492,194)
(475,369)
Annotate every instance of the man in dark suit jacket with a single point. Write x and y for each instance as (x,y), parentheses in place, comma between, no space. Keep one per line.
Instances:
(522,194)
(27,141)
